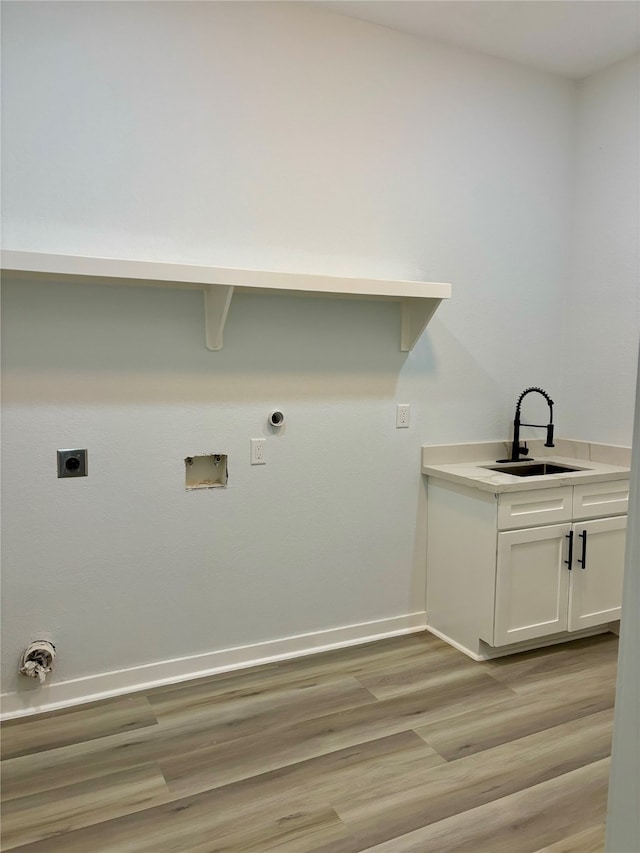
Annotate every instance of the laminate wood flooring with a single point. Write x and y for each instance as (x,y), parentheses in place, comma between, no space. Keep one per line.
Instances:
(399,746)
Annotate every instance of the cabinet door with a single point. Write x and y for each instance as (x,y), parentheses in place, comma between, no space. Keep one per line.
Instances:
(532,583)
(595,593)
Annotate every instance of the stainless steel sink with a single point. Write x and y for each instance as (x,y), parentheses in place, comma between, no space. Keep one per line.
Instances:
(533,469)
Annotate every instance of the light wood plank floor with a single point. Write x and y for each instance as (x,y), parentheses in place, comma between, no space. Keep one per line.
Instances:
(399,746)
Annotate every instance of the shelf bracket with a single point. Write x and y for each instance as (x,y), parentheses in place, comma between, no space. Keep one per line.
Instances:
(415,317)
(217,299)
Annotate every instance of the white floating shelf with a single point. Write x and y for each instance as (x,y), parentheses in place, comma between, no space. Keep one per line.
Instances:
(418,299)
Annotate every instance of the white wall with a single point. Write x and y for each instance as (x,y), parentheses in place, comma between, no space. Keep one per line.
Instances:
(603,301)
(623,818)
(602,330)
(276,136)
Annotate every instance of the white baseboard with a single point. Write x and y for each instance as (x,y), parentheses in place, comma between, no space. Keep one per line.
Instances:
(36,699)
(454,643)
(489,652)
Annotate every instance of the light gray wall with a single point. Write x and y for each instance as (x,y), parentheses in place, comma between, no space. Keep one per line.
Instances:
(623,817)
(602,312)
(271,136)
(601,370)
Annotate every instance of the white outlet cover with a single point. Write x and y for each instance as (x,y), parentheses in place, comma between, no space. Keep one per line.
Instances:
(403,415)
(258,451)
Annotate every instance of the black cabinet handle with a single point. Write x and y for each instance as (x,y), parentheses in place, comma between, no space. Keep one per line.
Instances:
(569,536)
(583,559)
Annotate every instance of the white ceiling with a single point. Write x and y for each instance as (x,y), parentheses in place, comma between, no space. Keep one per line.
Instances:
(573,38)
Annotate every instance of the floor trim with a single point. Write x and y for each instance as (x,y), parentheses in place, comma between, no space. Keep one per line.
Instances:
(453,643)
(36,699)
(526,646)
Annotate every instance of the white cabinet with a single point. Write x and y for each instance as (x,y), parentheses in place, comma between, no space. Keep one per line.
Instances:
(595,588)
(522,568)
(532,584)
(596,499)
(534,507)
(559,577)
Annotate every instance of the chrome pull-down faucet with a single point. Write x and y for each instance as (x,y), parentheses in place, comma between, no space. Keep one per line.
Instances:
(516,450)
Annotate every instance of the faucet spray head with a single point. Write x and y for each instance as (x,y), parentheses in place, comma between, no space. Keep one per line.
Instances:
(549,441)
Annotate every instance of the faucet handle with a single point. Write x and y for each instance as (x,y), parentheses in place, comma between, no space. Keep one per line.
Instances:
(523,450)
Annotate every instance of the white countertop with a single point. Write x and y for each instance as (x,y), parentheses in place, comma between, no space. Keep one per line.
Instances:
(467,464)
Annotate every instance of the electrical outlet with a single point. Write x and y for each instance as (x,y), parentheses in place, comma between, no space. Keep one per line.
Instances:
(72,463)
(403,411)
(258,451)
